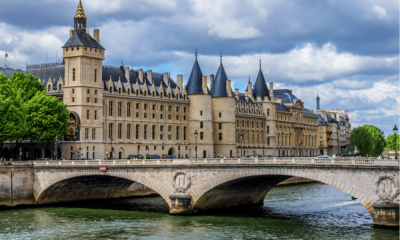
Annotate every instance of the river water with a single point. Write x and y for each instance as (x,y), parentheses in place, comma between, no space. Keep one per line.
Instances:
(311,211)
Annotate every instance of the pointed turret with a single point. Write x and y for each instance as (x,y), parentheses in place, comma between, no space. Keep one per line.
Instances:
(194,84)
(218,88)
(260,88)
(80,18)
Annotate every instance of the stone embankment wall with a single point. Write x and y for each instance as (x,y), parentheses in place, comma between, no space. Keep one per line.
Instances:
(16,185)
(295,181)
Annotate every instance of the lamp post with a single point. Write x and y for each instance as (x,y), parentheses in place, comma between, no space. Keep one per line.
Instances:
(395,147)
(190,152)
(241,139)
(215,153)
(111,152)
(195,135)
(55,147)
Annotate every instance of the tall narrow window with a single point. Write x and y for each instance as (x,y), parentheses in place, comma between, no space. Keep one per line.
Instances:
(267,129)
(86,133)
(220,136)
(119,130)
(153,132)
(93,133)
(128,110)
(95,75)
(161,131)
(110,129)
(59,87)
(177,133)
(184,134)
(220,114)
(137,131)
(219,125)
(87,114)
(73,74)
(201,124)
(201,113)
(201,135)
(95,115)
(110,108)
(267,112)
(119,109)
(128,131)
(145,132)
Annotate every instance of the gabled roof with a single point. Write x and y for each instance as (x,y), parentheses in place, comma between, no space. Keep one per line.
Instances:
(218,88)
(281,107)
(260,88)
(53,73)
(81,38)
(194,84)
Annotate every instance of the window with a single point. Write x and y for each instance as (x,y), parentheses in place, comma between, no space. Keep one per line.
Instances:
(119,130)
(201,135)
(267,129)
(110,129)
(153,116)
(73,99)
(128,110)
(137,131)
(153,132)
(320,129)
(184,118)
(219,125)
(93,133)
(320,136)
(95,75)
(161,107)
(154,107)
(87,99)
(184,134)
(268,141)
(73,74)
(87,114)
(177,117)
(160,116)
(220,114)
(201,124)
(137,114)
(177,133)
(137,105)
(145,106)
(128,131)
(110,89)
(169,116)
(129,91)
(86,133)
(220,136)
(267,112)
(119,109)
(95,115)
(169,108)
(88,91)
(201,113)
(184,109)
(95,100)
(145,115)
(59,87)
(110,108)
(145,132)
(177,109)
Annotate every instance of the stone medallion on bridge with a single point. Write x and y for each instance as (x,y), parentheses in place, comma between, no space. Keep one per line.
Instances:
(181,181)
(387,187)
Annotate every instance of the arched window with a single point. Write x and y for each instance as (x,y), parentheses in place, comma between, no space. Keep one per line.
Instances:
(110,108)
(145,92)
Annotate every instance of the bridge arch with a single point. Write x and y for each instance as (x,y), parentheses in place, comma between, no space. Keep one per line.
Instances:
(87,184)
(250,187)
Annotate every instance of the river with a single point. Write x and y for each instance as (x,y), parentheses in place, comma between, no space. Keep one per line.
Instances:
(311,211)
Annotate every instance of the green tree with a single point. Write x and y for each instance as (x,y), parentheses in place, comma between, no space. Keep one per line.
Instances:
(12,111)
(390,145)
(368,139)
(46,118)
(29,85)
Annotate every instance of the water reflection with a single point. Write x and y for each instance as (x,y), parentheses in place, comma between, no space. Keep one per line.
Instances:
(313,211)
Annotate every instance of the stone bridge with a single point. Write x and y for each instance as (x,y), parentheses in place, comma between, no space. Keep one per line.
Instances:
(191,186)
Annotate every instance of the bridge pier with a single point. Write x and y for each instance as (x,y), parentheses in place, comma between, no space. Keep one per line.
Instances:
(180,204)
(386,215)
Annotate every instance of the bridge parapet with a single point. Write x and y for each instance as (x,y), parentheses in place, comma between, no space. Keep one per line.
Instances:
(210,161)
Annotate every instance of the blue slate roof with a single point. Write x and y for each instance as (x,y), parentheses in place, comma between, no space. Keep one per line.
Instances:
(281,107)
(218,89)
(321,121)
(81,38)
(8,71)
(194,84)
(308,112)
(260,88)
(286,95)
(45,73)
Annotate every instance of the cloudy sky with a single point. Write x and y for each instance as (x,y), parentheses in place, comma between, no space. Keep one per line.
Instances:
(347,51)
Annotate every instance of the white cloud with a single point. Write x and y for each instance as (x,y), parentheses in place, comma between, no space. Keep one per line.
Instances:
(379,12)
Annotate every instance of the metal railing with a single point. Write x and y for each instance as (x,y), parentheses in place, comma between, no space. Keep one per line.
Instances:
(208,161)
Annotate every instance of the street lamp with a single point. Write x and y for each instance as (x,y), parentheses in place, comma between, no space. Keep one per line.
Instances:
(215,153)
(241,139)
(395,147)
(55,147)
(111,153)
(195,135)
(190,150)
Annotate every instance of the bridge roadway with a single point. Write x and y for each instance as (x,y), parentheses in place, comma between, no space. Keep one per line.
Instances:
(196,185)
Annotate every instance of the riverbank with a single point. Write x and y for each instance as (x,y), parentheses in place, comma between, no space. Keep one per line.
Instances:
(296,181)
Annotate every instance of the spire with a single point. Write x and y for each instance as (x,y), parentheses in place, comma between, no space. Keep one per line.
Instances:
(260,59)
(260,88)
(194,84)
(220,56)
(218,88)
(196,53)
(80,18)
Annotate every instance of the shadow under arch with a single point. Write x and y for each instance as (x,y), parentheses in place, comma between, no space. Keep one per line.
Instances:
(88,187)
(251,191)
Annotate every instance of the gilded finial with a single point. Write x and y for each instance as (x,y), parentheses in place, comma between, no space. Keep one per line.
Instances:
(80,12)
(80,18)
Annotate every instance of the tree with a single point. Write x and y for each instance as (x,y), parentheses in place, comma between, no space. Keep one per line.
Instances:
(29,84)
(12,111)
(46,118)
(390,142)
(368,139)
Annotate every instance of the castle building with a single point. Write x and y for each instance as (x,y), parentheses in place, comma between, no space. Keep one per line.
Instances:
(144,112)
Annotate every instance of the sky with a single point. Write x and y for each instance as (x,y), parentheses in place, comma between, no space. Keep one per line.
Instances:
(346,51)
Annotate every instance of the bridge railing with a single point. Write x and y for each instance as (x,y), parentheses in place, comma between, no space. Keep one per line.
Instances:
(287,160)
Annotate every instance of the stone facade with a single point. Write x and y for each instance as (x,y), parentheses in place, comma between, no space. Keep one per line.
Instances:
(137,112)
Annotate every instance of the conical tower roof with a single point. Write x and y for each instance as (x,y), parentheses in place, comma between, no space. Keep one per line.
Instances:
(218,88)
(194,84)
(260,88)
(80,12)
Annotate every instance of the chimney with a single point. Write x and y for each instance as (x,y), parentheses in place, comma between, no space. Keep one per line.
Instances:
(211,80)
(127,76)
(250,89)
(96,34)
(246,95)
(71,32)
(204,84)
(237,94)
(180,80)
(228,87)
(165,78)
(271,89)
(140,75)
(150,76)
